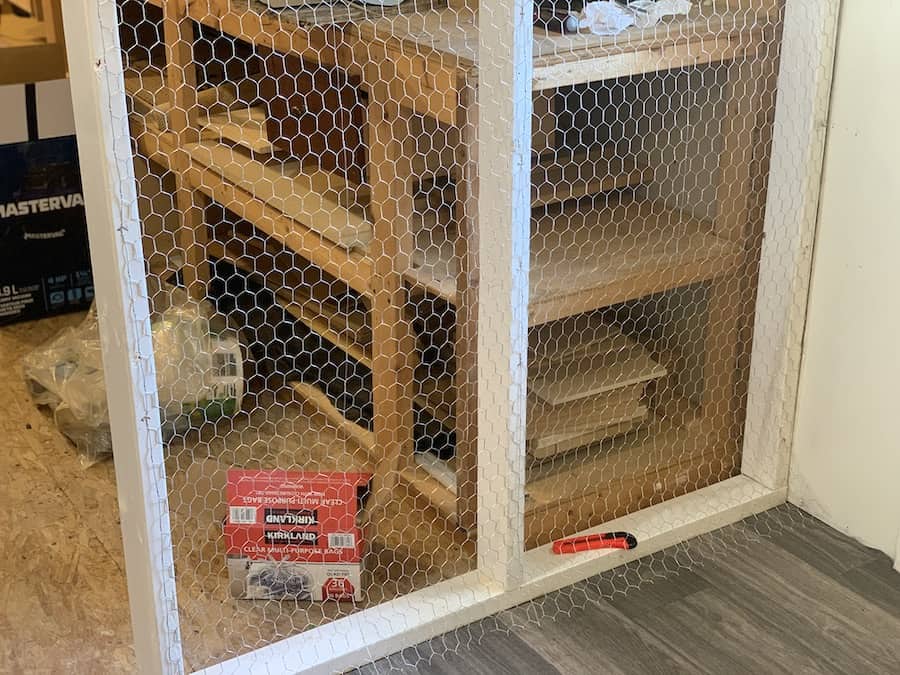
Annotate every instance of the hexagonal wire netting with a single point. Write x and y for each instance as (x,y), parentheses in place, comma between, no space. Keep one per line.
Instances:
(308,188)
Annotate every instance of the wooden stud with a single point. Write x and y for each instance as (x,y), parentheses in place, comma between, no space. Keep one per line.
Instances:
(735,206)
(181,79)
(466,377)
(114,227)
(192,238)
(393,342)
(181,75)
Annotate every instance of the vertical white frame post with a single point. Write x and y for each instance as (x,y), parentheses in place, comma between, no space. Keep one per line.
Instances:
(114,229)
(795,176)
(505,45)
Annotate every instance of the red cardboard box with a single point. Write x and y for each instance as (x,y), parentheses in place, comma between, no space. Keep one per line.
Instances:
(293,534)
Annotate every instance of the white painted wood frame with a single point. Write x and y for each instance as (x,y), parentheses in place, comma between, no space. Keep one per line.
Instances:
(114,229)
(504,168)
(505,576)
(795,176)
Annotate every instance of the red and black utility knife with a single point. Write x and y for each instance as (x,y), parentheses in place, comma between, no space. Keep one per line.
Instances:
(591,542)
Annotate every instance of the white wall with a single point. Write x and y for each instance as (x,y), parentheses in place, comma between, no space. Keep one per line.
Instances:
(846,460)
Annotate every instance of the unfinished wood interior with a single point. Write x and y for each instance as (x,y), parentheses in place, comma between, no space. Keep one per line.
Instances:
(647,185)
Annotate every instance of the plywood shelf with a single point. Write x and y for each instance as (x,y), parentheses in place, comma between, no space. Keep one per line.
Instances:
(585,256)
(563,175)
(317,199)
(583,489)
(707,35)
(318,309)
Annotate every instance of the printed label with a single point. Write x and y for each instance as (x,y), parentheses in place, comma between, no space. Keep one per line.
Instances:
(291,538)
(291,517)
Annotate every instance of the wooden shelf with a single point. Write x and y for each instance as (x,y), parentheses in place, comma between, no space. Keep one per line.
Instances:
(218,116)
(570,367)
(552,432)
(244,126)
(564,175)
(587,488)
(707,35)
(441,42)
(320,200)
(315,213)
(318,310)
(630,472)
(316,207)
(585,256)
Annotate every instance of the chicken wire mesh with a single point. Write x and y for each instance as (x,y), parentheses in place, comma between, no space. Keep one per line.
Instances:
(308,184)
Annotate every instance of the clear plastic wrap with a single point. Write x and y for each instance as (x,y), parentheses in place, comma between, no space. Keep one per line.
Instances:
(199,376)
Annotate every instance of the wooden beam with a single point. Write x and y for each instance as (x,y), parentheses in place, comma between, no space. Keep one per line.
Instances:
(466,347)
(393,342)
(113,222)
(192,235)
(746,81)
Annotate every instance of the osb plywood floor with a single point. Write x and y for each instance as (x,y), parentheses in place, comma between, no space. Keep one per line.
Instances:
(410,549)
(63,569)
(63,602)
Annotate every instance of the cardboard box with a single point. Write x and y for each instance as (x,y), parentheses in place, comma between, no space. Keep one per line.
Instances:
(32,48)
(45,264)
(293,534)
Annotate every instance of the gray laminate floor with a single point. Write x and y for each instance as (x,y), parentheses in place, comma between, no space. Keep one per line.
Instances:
(778,593)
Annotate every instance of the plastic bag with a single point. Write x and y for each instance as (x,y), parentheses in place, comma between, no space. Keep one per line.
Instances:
(199,377)
(605,18)
(648,13)
(610,18)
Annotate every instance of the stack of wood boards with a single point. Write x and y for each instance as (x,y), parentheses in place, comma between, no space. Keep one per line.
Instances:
(584,386)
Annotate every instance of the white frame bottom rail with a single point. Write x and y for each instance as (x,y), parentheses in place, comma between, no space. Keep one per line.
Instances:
(383,630)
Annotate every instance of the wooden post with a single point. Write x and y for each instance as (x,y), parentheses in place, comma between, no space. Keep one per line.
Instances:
(735,205)
(107,170)
(505,44)
(393,343)
(466,348)
(181,78)
(801,115)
